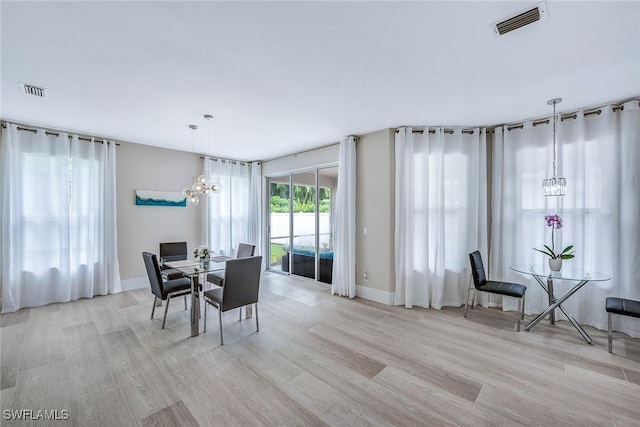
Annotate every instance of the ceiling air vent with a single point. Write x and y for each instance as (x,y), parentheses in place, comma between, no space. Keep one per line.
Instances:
(33,90)
(521,19)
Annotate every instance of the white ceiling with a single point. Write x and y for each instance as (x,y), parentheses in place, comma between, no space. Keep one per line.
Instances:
(281,77)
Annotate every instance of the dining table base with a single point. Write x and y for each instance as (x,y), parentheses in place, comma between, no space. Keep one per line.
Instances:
(557,303)
(195,307)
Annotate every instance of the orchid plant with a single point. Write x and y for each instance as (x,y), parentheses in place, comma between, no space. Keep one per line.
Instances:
(555,222)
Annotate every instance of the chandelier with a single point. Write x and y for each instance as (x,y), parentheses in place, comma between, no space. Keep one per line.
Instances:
(200,186)
(554,186)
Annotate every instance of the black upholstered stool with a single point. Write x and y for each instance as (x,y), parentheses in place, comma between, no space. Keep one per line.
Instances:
(623,307)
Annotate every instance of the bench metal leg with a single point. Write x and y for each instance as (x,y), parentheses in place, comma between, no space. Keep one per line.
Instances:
(610,333)
(521,312)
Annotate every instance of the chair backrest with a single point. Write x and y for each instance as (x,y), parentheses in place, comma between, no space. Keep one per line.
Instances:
(153,271)
(173,251)
(245,250)
(477,269)
(241,282)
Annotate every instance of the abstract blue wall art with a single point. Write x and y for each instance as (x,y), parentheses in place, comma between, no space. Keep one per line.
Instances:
(160,198)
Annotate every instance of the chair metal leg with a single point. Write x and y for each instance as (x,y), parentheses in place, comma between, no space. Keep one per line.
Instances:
(205,316)
(522,317)
(473,300)
(610,333)
(185,302)
(166,308)
(257,324)
(153,310)
(466,303)
(220,319)
(240,314)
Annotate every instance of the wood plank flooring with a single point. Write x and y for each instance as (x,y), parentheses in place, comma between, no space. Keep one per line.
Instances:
(317,360)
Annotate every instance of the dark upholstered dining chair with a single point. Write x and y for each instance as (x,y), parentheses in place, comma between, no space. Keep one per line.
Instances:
(172,251)
(164,290)
(244,251)
(241,288)
(482,284)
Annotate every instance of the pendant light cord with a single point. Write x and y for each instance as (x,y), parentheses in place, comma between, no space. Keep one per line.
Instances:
(193,150)
(554,139)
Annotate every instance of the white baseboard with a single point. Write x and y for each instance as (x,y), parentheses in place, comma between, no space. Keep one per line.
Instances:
(137,283)
(383,297)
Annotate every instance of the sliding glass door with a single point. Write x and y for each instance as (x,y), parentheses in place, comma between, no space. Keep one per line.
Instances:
(304,224)
(301,223)
(327,183)
(279,222)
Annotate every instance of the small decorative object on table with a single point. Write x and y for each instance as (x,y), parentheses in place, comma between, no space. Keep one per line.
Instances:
(555,259)
(201,253)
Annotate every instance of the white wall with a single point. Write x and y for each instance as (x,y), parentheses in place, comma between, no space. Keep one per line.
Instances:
(375,198)
(142,228)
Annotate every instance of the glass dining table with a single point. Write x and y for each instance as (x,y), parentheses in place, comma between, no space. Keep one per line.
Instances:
(193,269)
(541,272)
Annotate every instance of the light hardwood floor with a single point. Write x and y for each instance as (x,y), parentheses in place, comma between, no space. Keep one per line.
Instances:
(317,360)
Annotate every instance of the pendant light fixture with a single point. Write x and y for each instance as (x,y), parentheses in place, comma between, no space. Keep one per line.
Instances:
(554,186)
(196,188)
(214,187)
(200,185)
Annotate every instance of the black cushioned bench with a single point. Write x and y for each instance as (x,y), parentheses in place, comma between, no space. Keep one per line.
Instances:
(623,307)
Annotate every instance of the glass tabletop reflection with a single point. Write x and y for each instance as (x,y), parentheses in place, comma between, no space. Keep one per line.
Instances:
(566,273)
(193,267)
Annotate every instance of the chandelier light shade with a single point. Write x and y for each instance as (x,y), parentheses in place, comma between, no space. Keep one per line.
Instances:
(554,186)
(200,185)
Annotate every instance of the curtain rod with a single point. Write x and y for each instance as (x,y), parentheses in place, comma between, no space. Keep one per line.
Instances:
(56,134)
(571,116)
(447,131)
(305,151)
(235,162)
(563,118)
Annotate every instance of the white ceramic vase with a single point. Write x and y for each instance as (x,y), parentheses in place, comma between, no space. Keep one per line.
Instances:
(555,264)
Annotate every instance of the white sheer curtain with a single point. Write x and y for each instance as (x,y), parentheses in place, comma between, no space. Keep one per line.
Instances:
(344,236)
(440,213)
(227,212)
(59,239)
(599,155)
(255,207)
